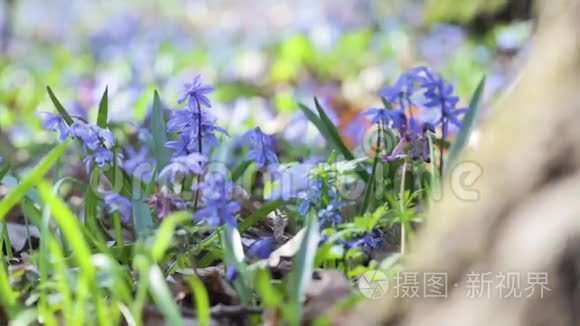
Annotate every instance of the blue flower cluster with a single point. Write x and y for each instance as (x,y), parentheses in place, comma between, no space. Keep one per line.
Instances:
(96,141)
(417,88)
(366,242)
(195,125)
(261,148)
(219,208)
(197,131)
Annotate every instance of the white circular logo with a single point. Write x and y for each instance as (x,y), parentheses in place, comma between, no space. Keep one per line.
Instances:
(373,284)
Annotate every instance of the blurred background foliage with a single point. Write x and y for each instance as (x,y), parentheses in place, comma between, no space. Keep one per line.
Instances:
(263,56)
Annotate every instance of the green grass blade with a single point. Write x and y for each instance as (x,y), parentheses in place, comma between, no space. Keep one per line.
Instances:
(33,178)
(164,234)
(469,123)
(302,268)
(103,115)
(8,297)
(334,134)
(433,172)
(259,215)
(201,300)
(141,217)
(69,225)
(59,107)
(329,132)
(4,168)
(315,121)
(234,254)
(92,202)
(240,170)
(159,133)
(162,297)
(370,186)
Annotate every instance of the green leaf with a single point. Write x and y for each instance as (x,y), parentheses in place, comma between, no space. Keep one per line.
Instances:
(201,299)
(334,134)
(33,178)
(433,172)
(165,233)
(271,298)
(159,133)
(259,215)
(4,168)
(69,225)
(102,118)
(141,217)
(469,123)
(329,132)
(234,254)
(240,169)
(91,202)
(8,297)
(162,297)
(302,268)
(63,112)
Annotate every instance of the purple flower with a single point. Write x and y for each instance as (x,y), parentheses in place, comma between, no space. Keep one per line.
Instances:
(414,141)
(117,203)
(195,93)
(55,122)
(165,203)
(261,148)
(184,166)
(218,208)
(261,249)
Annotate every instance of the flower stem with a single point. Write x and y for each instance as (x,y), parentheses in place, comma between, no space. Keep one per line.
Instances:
(199,147)
(402,208)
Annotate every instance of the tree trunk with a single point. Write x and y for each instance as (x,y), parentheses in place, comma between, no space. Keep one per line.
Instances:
(527,215)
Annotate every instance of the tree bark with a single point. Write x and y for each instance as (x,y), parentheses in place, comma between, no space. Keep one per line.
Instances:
(527,215)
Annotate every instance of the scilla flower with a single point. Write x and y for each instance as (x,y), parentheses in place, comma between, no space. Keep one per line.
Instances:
(219,208)
(184,166)
(261,148)
(117,203)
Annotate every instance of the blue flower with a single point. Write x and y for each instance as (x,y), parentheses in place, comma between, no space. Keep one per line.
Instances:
(261,249)
(404,87)
(195,93)
(117,203)
(184,166)
(218,208)
(55,122)
(389,118)
(101,156)
(439,94)
(231,273)
(136,161)
(331,214)
(91,136)
(368,241)
(261,148)
(195,127)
